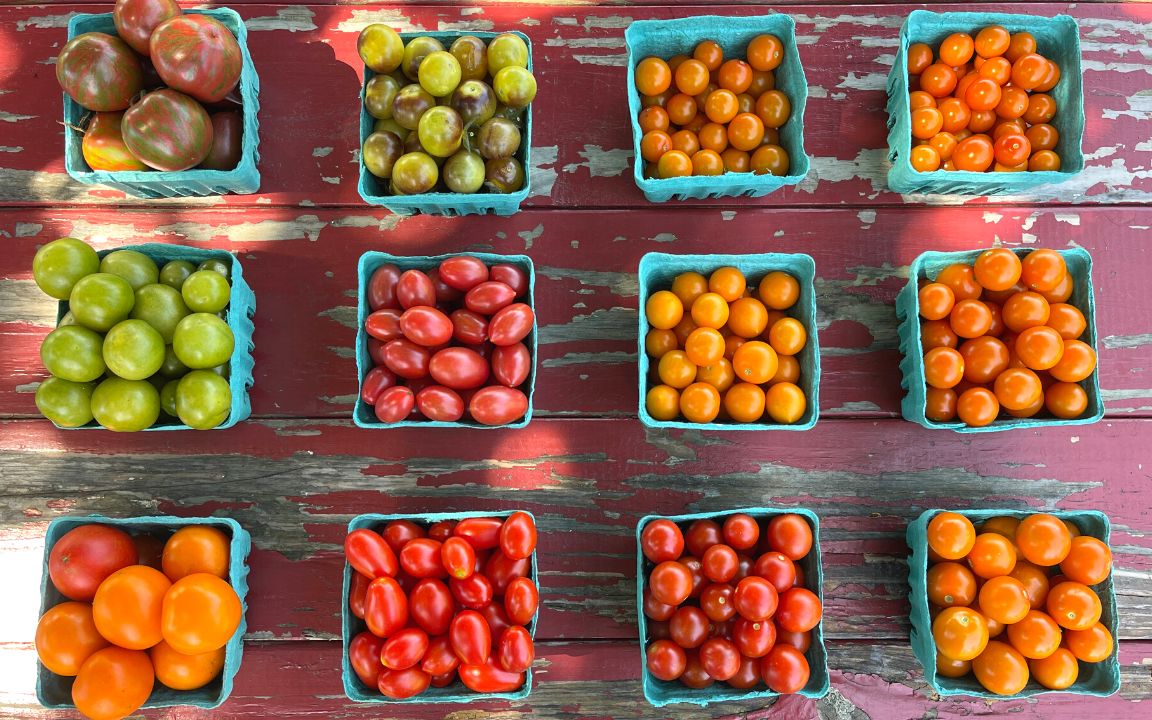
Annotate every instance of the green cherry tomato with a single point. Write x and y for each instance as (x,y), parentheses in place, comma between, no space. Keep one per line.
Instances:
(206,291)
(133,350)
(506,50)
(135,267)
(380,48)
(66,403)
(464,172)
(441,131)
(100,300)
(162,307)
(125,405)
(439,73)
(203,341)
(172,367)
(73,353)
(61,263)
(514,86)
(203,400)
(175,272)
(168,398)
(217,265)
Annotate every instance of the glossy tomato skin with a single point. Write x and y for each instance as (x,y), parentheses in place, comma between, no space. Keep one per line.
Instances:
(473,592)
(84,556)
(369,554)
(488,678)
(364,656)
(458,557)
(785,669)
(426,326)
(420,558)
(471,637)
(415,288)
(518,536)
(128,607)
(515,651)
(755,598)
(469,327)
(463,272)
(357,592)
(406,358)
(395,404)
(385,607)
(376,382)
(754,639)
(99,71)
(103,145)
(227,141)
(662,540)
(136,19)
(445,293)
(777,568)
(799,610)
(66,636)
(665,660)
(511,324)
(402,684)
(511,364)
(482,532)
(440,403)
(521,599)
(656,610)
(404,649)
(720,658)
(459,368)
(440,657)
(790,534)
(382,288)
(113,683)
(168,130)
(511,276)
(398,532)
(496,618)
(201,613)
(489,297)
(703,534)
(497,405)
(502,570)
(197,55)
(431,605)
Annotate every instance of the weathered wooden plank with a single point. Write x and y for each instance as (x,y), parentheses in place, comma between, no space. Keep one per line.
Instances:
(602,681)
(586,289)
(307,60)
(295,485)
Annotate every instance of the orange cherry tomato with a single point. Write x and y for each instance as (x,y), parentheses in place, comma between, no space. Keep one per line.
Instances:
(653,76)
(984,358)
(955,115)
(762,81)
(937,333)
(755,362)
(727,282)
(770,159)
(1057,671)
(998,70)
(1039,348)
(982,94)
(957,49)
(765,52)
(676,370)
(686,142)
(1013,103)
(774,108)
(736,161)
(709,53)
(1043,136)
(66,636)
(925,158)
(1026,310)
(951,584)
(747,317)
(1051,79)
(973,154)
(721,106)
(1077,362)
(1066,400)
(113,683)
(1035,581)
(664,310)
(1012,149)
(949,668)
(719,374)
(787,336)
(1004,600)
(926,122)
(1007,127)
(663,402)
(1042,270)
(658,342)
(745,402)
(1002,525)
(700,403)
(919,99)
(196,549)
(654,144)
(1034,636)
(919,58)
(1074,605)
(1001,669)
(704,346)
(1041,109)
(710,310)
(943,367)
(787,370)
(1019,45)
(785,403)
(127,607)
(992,555)
(960,633)
(945,144)
(982,122)
(746,131)
(1018,388)
(970,318)
(962,280)
(681,109)
(940,404)
(707,163)
(992,41)
(1089,561)
(688,286)
(1091,645)
(653,118)
(201,613)
(1044,160)
(977,407)
(186,672)
(778,290)
(951,535)
(735,75)
(713,136)
(997,269)
(691,77)
(1029,71)
(674,163)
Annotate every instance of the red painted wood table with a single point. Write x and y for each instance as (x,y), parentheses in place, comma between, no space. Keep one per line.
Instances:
(298,470)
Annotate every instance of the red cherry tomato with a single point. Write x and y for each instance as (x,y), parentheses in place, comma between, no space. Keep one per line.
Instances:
(665,660)
(385,607)
(471,637)
(511,324)
(511,364)
(376,351)
(656,610)
(518,536)
(785,669)
(384,324)
(719,563)
(482,532)
(671,582)
(459,368)
(703,534)
(404,649)
(415,288)
(85,556)
(662,540)
(514,651)
(382,287)
(442,530)
(488,678)
(440,403)
(474,592)
(696,569)
(431,606)
(502,570)
(748,676)
(445,293)
(777,568)
(689,627)
(720,658)
(395,404)
(790,534)
(420,558)
(458,556)
(356,594)
(694,675)
(799,610)
(426,326)
(440,658)
(369,554)
(716,602)
(398,532)
(497,405)
(468,327)
(364,656)
(754,639)
(406,358)
(511,276)
(375,382)
(755,598)
(488,298)
(402,684)
(521,600)
(741,531)
(463,272)
(800,641)
(440,681)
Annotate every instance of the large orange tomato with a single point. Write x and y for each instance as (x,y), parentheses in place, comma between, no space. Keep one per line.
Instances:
(66,637)
(186,672)
(113,683)
(201,613)
(127,607)
(196,549)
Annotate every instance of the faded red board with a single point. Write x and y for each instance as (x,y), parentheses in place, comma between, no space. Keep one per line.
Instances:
(586,289)
(581,150)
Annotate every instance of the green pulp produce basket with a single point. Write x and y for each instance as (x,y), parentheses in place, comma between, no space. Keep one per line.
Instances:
(1057,38)
(665,38)
(1100,679)
(928,265)
(363,414)
(352,626)
(241,309)
(55,692)
(375,191)
(242,180)
(658,270)
(660,693)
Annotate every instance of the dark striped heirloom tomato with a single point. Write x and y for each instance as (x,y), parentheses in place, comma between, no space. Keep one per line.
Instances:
(196,55)
(168,130)
(136,19)
(99,71)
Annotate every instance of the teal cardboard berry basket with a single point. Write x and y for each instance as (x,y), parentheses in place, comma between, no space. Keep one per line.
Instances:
(55,692)
(1057,38)
(1099,679)
(352,626)
(363,414)
(660,692)
(241,310)
(658,270)
(242,180)
(927,266)
(375,190)
(665,38)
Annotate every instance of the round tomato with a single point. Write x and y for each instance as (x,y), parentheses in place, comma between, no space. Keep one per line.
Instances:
(790,534)
(1073,605)
(1035,636)
(662,540)
(128,606)
(186,672)
(716,602)
(84,556)
(703,534)
(741,531)
(1057,671)
(960,633)
(719,563)
(1000,669)
(720,658)
(113,683)
(785,669)
(1092,645)
(196,549)
(777,568)
(799,610)
(1089,561)
(66,636)
(671,582)
(665,660)
(1043,539)
(951,535)
(201,612)
(951,584)
(754,639)
(755,598)
(689,627)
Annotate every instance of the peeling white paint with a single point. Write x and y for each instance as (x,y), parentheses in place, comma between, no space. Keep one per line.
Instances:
(11,148)
(866,217)
(361,19)
(466,25)
(664,237)
(601,162)
(1139,106)
(27,229)
(1115,342)
(543,172)
(992,217)
(12,117)
(44,22)
(867,81)
(870,164)
(330,180)
(321,152)
(727,214)
(295,18)
(610,22)
(603,60)
(529,236)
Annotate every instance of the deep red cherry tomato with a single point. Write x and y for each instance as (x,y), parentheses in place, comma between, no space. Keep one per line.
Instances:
(482,532)
(401,684)
(748,676)
(662,540)
(671,582)
(755,598)
(445,293)
(744,567)
(473,592)
(384,324)
(799,610)
(459,368)
(785,669)
(356,594)
(440,403)
(395,404)
(800,641)
(85,556)
(488,678)
(369,554)
(440,657)
(496,618)
(415,288)
(511,276)
(665,660)
(701,535)
(375,382)
(502,570)
(694,675)
(463,272)
(497,405)
(777,568)
(741,531)
(790,534)
(431,606)
(441,530)
(421,559)
(720,658)
(398,532)
(697,570)
(364,656)
(488,298)
(754,639)
(719,563)
(426,326)
(521,600)
(515,651)
(458,556)
(382,287)
(511,324)
(656,610)
(716,602)
(471,637)
(468,327)
(518,536)
(385,607)
(406,358)
(689,627)
(511,364)
(404,649)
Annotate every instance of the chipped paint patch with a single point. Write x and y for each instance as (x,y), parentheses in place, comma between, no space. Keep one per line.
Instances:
(529,236)
(617,323)
(26,229)
(867,217)
(1139,107)
(361,19)
(622,284)
(321,152)
(727,214)
(383,224)
(12,117)
(27,388)
(590,358)
(601,162)
(664,237)
(295,18)
(465,25)
(342,314)
(853,406)
(11,148)
(867,81)
(543,173)
(610,22)
(1116,342)
(992,217)
(603,60)
(44,22)
(870,164)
